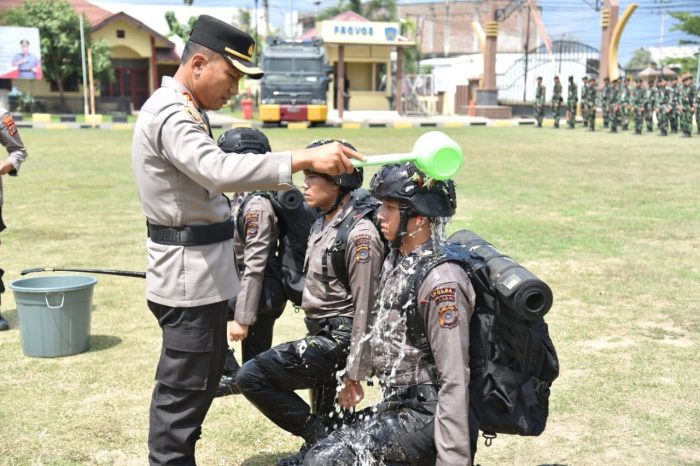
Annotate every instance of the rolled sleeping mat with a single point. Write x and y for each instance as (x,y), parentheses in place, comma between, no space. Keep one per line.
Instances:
(528,297)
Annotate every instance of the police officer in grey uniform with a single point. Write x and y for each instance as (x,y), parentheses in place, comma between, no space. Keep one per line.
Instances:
(253,312)
(9,138)
(181,175)
(336,317)
(423,415)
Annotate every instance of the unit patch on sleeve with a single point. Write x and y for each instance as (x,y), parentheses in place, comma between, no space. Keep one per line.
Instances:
(361,244)
(10,125)
(448,316)
(251,224)
(443,294)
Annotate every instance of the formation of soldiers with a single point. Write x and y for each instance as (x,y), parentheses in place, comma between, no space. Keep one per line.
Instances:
(672,105)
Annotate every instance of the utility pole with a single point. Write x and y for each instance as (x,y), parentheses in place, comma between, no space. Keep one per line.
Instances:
(527,52)
(257,43)
(266,7)
(446,38)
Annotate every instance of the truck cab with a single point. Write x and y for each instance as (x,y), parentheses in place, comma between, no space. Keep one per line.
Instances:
(295,85)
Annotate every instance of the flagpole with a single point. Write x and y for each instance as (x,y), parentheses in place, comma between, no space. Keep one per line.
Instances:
(82,52)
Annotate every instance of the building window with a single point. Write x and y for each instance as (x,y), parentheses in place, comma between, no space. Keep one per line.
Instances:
(121,34)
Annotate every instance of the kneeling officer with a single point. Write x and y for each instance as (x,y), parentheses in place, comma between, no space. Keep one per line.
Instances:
(423,415)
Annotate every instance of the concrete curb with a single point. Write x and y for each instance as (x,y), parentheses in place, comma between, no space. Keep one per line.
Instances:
(397,124)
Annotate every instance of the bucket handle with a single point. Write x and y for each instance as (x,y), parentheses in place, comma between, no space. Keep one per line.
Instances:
(46,298)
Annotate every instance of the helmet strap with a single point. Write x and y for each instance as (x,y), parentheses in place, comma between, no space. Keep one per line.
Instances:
(405,213)
(338,201)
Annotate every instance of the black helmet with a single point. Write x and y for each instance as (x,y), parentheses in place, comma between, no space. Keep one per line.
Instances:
(411,187)
(243,141)
(347,181)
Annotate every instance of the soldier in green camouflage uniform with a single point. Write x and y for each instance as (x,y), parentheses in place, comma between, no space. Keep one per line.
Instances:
(539,101)
(557,99)
(625,100)
(571,102)
(639,106)
(605,102)
(650,104)
(614,106)
(687,105)
(584,101)
(663,107)
(675,98)
(591,96)
(697,108)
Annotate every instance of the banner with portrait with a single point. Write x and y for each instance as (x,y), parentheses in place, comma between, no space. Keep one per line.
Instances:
(20,53)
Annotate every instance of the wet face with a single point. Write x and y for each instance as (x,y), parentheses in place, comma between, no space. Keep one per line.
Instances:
(215,80)
(319,191)
(390,217)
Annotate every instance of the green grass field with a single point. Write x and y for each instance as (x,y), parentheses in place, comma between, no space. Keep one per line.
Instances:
(611,222)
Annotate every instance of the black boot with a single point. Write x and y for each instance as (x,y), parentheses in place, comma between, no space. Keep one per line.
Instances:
(4,325)
(311,435)
(663,133)
(625,127)
(638,131)
(613,129)
(605,125)
(686,134)
(227,384)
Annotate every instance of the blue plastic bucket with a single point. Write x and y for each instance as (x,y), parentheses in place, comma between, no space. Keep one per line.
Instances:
(54,314)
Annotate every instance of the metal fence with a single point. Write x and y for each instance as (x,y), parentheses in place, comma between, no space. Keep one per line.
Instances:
(75,105)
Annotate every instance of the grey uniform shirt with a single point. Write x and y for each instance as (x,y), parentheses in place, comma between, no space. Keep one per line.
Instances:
(9,138)
(445,303)
(363,258)
(252,249)
(180,175)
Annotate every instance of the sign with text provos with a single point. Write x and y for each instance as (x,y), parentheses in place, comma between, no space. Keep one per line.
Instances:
(360,32)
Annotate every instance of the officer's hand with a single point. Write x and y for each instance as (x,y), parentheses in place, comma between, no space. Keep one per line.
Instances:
(6,167)
(351,393)
(332,159)
(238,332)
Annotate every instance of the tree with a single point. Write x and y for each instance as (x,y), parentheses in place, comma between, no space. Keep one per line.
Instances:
(59,29)
(374,10)
(687,23)
(177,28)
(641,58)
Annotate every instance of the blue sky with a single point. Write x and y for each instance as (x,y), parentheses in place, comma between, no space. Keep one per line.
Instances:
(568,19)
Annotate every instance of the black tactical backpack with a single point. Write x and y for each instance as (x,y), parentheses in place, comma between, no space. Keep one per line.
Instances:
(364,206)
(284,274)
(511,357)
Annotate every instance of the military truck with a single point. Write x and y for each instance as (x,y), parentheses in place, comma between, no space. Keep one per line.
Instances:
(295,85)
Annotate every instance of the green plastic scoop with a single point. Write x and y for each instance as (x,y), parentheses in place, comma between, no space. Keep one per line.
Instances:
(434,153)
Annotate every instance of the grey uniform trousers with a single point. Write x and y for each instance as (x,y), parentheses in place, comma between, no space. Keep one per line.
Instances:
(189,370)
(399,431)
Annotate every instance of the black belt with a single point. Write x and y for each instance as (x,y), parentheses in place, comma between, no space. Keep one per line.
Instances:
(315,326)
(196,235)
(422,392)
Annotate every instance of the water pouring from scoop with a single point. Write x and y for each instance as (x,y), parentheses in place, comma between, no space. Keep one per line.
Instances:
(434,153)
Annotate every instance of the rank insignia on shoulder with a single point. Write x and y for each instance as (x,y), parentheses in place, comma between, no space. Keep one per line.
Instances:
(448,316)
(194,114)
